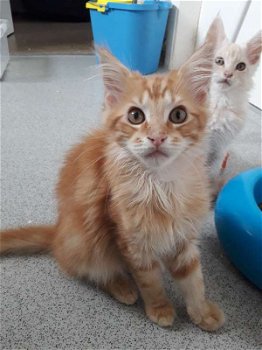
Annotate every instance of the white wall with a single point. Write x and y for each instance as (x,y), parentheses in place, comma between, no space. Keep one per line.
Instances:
(181,32)
(231,12)
(5,13)
(250,26)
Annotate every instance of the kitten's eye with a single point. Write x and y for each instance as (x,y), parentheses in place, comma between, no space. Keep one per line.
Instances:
(135,116)
(241,66)
(219,61)
(178,115)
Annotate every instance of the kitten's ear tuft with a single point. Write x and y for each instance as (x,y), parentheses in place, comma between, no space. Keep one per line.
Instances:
(115,76)
(216,32)
(254,47)
(196,73)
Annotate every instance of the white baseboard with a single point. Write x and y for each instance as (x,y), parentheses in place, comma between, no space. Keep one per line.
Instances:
(4,50)
(6,14)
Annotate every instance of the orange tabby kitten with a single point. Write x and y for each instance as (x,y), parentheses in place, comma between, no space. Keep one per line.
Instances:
(131,196)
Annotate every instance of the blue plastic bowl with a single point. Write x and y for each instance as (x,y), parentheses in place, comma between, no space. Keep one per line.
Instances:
(238,220)
(134,33)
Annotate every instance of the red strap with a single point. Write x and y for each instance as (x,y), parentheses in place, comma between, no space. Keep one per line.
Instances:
(224,163)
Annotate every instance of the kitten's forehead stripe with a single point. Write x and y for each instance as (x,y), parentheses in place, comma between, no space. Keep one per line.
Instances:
(145,97)
(144,89)
(159,87)
(167,97)
(156,88)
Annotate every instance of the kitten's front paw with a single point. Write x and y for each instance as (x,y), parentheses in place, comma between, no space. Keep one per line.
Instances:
(209,317)
(163,314)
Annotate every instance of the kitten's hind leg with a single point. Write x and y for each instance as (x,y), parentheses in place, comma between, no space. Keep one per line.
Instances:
(93,255)
(122,288)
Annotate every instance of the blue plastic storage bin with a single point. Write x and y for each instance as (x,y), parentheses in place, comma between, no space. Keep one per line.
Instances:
(133,33)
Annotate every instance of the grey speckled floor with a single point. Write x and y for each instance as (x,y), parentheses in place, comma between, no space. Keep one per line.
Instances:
(47,103)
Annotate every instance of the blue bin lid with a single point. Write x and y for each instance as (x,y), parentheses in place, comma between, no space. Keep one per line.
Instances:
(146,6)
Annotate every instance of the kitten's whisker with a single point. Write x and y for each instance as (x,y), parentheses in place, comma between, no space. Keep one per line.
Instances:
(93,76)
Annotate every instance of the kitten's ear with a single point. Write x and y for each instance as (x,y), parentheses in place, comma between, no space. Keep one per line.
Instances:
(216,32)
(195,74)
(254,47)
(115,76)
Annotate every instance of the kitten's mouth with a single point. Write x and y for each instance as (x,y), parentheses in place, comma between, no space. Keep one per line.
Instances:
(156,154)
(224,82)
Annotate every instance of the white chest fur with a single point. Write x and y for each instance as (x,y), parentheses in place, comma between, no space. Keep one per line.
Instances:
(227,117)
(162,215)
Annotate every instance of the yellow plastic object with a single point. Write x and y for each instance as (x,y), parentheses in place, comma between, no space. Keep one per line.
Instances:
(100,5)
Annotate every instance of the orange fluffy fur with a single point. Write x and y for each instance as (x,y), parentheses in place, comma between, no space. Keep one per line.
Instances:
(122,214)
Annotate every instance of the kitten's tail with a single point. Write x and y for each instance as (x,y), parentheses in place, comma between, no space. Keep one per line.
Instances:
(27,240)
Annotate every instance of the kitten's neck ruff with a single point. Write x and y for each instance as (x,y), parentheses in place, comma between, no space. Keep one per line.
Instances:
(171,173)
(166,188)
(234,98)
(177,170)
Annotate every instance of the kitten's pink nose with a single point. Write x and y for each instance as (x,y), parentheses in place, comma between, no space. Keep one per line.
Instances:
(157,141)
(228,74)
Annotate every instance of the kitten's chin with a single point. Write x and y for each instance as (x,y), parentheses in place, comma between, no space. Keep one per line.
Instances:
(155,159)
(226,85)
(156,162)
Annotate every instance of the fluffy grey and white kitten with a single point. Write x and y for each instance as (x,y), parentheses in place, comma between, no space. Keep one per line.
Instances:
(234,67)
